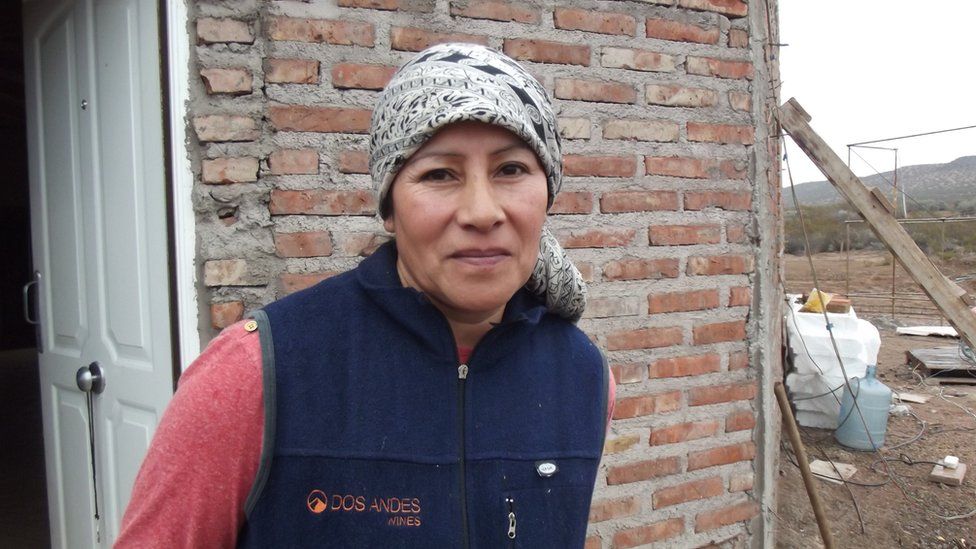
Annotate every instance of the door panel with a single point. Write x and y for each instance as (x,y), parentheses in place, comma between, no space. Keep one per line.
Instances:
(98,202)
(60,182)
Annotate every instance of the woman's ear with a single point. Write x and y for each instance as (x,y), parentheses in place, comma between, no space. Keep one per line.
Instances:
(389,224)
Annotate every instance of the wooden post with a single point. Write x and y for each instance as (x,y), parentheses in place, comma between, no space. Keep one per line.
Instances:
(939,289)
(801,457)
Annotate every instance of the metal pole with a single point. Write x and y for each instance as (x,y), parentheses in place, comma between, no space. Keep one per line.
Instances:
(801,458)
(847,239)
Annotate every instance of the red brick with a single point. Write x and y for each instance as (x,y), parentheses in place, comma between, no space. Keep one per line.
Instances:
(223,31)
(359,244)
(726,200)
(230,170)
(291,71)
(218,127)
(710,520)
(294,162)
(353,161)
(738,38)
(293,282)
(638,201)
(342,33)
(693,168)
(301,118)
(735,233)
(680,96)
(683,432)
(620,444)
(646,405)
(730,134)
(607,307)
(717,394)
(404,5)
(688,491)
(649,533)
(589,90)
(596,238)
(697,300)
(229,81)
(642,470)
(414,39)
(721,68)
(224,314)
(683,235)
(230,272)
(367,77)
(637,60)
(733,8)
(665,29)
(720,331)
(740,295)
(640,269)
(308,244)
(606,509)
(720,264)
(740,421)
(723,455)
(496,11)
(594,21)
(587,270)
(599,166)
(740,101)
(628,373)
(593,542)
(322,202)
(644,338)
(661,131)
(544,51)
(574,128)
(572,203)
(684,366)
(738,360)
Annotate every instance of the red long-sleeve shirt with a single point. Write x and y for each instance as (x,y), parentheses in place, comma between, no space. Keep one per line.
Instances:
(191,489)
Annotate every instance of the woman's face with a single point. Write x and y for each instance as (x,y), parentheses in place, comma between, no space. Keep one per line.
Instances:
(468,209)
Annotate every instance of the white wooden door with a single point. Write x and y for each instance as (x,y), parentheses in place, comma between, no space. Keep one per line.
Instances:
(99,237)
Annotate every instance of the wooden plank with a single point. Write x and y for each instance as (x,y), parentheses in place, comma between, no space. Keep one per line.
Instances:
(795,121)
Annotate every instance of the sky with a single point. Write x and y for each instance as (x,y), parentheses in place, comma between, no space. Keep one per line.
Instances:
(872,69)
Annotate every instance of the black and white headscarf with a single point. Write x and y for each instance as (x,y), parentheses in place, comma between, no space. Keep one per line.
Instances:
(451,83)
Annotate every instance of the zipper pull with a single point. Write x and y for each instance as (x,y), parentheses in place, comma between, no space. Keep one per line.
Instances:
(463,371)
(511,517)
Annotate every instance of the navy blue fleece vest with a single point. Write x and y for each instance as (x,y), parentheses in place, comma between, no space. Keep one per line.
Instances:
(376,437)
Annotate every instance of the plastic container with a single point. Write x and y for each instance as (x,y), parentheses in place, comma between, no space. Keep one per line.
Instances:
(874,400)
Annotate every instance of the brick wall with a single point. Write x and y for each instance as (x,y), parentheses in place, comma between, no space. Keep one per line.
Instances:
(668,207)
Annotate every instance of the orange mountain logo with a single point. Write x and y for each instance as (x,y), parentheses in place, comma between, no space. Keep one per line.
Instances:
(317,501)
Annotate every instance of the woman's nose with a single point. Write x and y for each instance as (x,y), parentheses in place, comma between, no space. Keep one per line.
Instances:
(479,206)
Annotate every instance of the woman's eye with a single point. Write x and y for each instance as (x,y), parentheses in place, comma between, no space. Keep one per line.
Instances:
(436,175)
(512,170)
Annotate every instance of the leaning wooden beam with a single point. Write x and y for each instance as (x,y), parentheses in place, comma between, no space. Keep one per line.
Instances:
(943,293)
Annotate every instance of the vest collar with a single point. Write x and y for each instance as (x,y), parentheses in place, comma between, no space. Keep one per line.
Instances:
(377,275)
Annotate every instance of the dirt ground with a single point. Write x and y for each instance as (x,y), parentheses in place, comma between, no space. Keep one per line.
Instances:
(903,510)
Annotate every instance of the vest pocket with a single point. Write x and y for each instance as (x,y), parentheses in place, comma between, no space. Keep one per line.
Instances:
(538,518)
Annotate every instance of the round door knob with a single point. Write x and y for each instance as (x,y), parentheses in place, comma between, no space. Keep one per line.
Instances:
(91,379)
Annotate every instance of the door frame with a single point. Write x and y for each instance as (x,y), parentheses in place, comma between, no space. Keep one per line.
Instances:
(183,221)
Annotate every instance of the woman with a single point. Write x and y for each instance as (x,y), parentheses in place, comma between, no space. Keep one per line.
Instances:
(438,395)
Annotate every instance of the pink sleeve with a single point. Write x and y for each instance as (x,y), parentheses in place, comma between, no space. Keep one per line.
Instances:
(611,397)
(196,476)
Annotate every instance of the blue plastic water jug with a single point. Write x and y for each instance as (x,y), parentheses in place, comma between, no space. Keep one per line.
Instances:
(873,399)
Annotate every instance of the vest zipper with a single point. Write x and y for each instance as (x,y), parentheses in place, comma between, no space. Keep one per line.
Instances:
(462,375)
(511,517)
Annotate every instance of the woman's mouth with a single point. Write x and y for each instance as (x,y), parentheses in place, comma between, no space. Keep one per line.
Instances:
(481,257)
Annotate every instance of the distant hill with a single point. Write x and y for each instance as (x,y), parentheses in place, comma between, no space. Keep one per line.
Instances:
(938,186)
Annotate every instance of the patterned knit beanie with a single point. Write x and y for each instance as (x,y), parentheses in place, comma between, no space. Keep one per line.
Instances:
(451,83)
